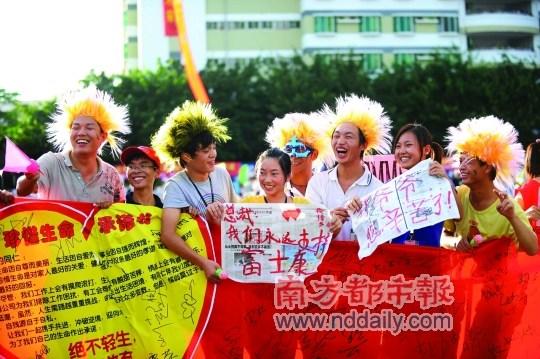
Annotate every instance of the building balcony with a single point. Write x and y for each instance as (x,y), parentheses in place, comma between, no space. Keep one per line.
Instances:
(381,41)
(498,6)
(500,22)
(357,6)
(499,55)
(503,41)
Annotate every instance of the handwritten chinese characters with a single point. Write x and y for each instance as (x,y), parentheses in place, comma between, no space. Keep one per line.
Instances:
(410,201)
(264,242)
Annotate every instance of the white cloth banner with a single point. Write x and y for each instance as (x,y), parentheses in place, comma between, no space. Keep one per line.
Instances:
(262,243)
(410,201)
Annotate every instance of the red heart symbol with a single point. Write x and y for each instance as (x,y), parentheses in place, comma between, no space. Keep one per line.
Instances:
(291,213)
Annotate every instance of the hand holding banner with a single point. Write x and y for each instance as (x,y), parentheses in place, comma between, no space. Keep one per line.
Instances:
(410,201)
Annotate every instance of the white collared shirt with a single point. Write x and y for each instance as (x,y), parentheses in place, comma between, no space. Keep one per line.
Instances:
(324,189)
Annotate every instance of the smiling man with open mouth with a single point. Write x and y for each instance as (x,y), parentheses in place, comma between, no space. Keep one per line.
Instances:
(357,125)
(85,120)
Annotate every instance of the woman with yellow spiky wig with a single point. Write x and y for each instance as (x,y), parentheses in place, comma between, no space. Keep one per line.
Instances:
(303,138)
(358,124)
(189,135)
(84,121)
(488,150)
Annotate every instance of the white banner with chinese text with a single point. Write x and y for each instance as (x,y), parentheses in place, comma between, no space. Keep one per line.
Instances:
(410,201)
(261,243)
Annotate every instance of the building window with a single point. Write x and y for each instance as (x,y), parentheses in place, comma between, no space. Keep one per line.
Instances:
(253,24)
(403,24)
(372,62)
(132,39)
(266,24)
(279,25)
(448,24)
(325,24)
(285,25)
(348,19)
(174,55)
(425,57)
(211,25)
(132,7)
(404,59)
(238,25)
(370,24)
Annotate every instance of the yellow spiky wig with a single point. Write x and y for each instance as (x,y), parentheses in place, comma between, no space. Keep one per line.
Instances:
(491,140)
(89,102)
(308,128)
(184,123)
(367,115)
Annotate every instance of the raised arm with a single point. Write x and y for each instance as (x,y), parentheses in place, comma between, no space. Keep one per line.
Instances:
(177,245)
(526,237)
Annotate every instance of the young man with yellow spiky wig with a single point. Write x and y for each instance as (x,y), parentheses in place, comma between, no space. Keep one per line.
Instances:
(190,134)
(303,138)
(488,149)
(357,125)
(84,121)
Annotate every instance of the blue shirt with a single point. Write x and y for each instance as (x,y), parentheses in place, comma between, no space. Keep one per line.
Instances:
(428,236)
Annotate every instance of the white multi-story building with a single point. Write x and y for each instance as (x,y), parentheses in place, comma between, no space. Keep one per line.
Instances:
(379,32)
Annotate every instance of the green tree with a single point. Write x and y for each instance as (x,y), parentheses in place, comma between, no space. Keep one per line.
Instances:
(438,94)
(25,123)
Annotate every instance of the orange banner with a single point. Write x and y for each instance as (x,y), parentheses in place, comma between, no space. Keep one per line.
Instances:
(194,80)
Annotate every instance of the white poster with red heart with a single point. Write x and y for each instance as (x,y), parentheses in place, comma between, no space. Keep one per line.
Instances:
(262,243)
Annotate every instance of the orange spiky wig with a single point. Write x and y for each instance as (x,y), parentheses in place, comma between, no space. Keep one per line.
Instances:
(491,140)
(89,102)
(308,128)
(367,115)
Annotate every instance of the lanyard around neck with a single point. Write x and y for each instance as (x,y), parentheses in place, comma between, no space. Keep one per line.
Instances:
(199,192)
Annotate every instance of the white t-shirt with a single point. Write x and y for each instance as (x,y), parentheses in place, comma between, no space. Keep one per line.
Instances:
(181,193)
(324,189)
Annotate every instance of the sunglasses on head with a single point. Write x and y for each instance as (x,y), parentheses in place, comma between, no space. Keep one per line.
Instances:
(295,148)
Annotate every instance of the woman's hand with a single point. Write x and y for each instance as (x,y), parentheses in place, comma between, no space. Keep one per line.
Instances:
(437,170)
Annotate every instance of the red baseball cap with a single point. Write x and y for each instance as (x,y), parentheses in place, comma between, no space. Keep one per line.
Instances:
(129,152)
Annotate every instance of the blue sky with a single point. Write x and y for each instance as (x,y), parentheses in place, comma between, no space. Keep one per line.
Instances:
(47,46)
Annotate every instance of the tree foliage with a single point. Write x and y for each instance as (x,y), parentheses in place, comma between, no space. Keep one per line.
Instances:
(438,94)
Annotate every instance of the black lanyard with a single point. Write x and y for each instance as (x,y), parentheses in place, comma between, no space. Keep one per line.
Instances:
(199,192)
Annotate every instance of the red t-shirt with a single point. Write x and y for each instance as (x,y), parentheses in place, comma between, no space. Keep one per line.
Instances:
(530,193)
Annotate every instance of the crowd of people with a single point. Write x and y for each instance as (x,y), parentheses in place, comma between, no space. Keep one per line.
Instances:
(312,158)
